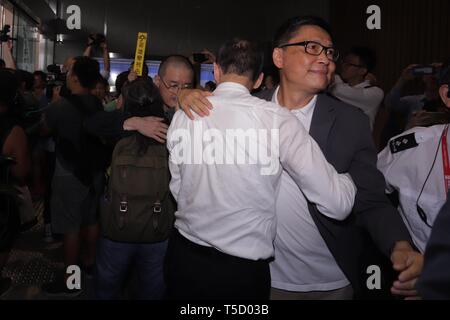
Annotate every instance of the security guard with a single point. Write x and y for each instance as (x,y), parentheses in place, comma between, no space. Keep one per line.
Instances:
(416,164)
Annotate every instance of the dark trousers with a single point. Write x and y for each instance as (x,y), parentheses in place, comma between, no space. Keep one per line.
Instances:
(197,272)
(113,263)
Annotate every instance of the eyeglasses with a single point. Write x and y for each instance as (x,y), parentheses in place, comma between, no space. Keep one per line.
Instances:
(176,86)
(315,49)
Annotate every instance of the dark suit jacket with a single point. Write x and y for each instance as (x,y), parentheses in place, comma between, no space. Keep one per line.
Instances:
(343,133)
(434,282)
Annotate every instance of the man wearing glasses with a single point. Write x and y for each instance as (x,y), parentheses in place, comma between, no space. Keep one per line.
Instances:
(175,73)
(356,83)
(317,257)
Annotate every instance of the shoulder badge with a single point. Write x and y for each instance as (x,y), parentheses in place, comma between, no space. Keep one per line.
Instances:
(403,143)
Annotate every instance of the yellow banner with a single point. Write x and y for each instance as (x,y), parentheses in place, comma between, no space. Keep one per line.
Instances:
(140,53)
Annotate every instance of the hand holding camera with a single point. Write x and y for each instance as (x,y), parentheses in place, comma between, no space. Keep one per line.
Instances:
(417,70)
(97,40)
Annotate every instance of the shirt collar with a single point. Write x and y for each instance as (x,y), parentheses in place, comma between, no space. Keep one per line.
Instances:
(309,108)
(231,86)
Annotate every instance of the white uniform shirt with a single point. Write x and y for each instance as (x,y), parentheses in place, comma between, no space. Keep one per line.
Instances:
(303,261)
(406,171)
(364,96)
(231,206)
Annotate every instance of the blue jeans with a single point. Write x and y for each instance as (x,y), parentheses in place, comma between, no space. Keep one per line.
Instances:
(113,263)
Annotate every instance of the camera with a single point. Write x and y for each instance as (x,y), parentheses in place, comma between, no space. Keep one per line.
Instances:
(200,57)
(97,39)
(55,78)
(423,70)
(4,34)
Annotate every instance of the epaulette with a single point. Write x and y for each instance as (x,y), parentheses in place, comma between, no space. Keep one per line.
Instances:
(403,143)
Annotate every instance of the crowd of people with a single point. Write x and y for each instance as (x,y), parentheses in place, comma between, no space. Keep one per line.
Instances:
(146,182)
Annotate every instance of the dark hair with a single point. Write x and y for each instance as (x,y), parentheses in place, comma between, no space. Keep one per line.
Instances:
(290,27)
(8,88)
(211,84)
(102,80)
(25,78)
(87,71)
(2,64)
(366,55)
(241,57)
(141,99)
(121,79)
(41,74)
(177,60)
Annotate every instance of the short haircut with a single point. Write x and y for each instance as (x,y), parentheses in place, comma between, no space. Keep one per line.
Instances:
(87,71)
(290,27)
(41,74)
(121,79)
(241,57)
(366,55)
(26,79)
(175,61)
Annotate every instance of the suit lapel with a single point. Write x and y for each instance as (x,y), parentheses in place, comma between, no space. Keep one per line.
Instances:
(323,118)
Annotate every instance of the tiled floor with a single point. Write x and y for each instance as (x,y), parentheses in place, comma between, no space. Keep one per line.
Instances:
(33,262)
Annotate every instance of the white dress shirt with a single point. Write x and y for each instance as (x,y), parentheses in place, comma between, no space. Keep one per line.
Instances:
(303,261)
(406,171)
(231,207)
(364,96)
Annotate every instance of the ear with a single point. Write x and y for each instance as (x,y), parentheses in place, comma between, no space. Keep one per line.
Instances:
(444,94)
(259,81)
(277,57)
(217,73)
(157,81)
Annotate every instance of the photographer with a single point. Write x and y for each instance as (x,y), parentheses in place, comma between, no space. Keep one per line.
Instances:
(7,46)
(77,180)
(408,105)
(99,41)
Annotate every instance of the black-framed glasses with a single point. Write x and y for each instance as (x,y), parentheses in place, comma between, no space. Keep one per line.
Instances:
(315,49)
(175,87)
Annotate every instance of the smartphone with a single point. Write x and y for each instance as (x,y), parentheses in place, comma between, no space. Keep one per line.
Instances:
(423,70)
(200,57)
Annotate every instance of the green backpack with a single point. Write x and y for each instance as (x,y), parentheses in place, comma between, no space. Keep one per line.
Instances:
(137,206)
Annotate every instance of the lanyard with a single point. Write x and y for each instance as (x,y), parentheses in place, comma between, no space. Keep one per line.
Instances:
(445,160)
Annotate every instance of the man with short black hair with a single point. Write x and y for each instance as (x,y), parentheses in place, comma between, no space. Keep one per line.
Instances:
(77,180)
(356,83)
(318,257)
(226,219)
